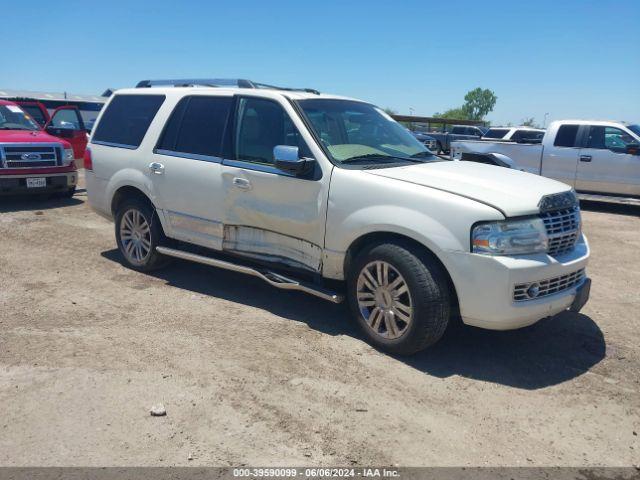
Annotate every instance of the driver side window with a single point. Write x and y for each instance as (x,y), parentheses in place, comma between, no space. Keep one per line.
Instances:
(262,124)
(608,138)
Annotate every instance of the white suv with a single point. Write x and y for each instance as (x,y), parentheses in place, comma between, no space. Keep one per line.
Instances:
(328,195)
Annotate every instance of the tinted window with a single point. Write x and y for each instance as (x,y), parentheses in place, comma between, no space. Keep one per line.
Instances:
(35,113)
(263,124)
(197,125)
(458,130)
(496,133)
(566,136)
(530,136)
(127,119)
(609,138)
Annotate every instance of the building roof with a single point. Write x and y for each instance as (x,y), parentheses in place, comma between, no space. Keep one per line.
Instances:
(64,96)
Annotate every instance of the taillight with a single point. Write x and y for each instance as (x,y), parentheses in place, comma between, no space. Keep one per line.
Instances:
(88,161)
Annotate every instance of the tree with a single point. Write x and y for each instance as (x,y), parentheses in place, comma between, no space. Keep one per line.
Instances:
(390,111)
(458,113)
(530,122)
(479,102)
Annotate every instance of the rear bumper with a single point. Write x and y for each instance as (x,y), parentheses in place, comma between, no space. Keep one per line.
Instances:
(55,182)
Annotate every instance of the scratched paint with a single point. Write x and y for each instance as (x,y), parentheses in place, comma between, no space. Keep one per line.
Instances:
(270,246)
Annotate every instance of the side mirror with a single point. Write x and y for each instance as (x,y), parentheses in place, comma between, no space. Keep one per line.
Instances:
(61,132)
(287,158)
(633,149)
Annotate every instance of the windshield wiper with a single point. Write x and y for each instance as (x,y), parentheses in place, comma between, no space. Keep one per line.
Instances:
(14,128)
(364,158)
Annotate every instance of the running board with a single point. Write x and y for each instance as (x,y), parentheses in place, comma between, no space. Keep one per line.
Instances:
(272,278)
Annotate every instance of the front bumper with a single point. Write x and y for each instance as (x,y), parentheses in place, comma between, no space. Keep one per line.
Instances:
(485,287)
(55,182)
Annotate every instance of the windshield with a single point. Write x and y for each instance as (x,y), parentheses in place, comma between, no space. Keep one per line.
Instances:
(635,129)
(13,117)
(358,132)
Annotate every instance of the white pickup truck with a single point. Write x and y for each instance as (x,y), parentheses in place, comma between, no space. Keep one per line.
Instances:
(330,196)
(597,158)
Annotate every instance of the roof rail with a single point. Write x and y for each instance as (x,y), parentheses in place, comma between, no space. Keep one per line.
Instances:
(218,82)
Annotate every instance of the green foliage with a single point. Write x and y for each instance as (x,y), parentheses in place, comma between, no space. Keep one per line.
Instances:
(458,113)
(530,122)
(478,103)
(390,111)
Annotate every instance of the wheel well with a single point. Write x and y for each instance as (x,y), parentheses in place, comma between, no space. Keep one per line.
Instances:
(389,237)
(125,193)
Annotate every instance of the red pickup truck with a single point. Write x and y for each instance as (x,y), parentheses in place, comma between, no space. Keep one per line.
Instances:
(32,160)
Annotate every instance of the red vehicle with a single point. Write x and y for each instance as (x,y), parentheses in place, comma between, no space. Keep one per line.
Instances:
(66,123)
(31,159)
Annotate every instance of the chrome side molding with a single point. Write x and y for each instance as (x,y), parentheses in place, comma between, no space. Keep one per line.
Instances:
(274,279)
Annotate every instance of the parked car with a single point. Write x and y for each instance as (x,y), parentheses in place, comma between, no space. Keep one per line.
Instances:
(458,132)
(426,139)
(31,160)
(514,134)
(331,196)
(65,122)
(594,157)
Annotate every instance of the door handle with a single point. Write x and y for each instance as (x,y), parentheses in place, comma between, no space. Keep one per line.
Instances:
(585,158)
(242,183)
(157,168)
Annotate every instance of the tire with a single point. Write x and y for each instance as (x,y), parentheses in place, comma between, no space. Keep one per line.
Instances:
(138,233)
(439,150)
(427,295)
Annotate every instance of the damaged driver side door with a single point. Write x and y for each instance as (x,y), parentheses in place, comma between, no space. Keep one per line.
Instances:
(270,214)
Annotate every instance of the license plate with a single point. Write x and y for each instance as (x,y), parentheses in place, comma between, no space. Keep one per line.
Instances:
(36,182)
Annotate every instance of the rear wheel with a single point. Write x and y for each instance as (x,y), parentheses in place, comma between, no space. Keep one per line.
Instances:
(439,150)
(138,233)
(400,297)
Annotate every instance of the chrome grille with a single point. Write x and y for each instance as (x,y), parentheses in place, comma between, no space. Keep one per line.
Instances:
(30,155)
(543,288)
(563,229)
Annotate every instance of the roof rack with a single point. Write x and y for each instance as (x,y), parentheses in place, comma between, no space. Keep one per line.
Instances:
(218,82)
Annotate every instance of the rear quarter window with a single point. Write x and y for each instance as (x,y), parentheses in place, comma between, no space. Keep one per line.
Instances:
(566,136)
(126,120)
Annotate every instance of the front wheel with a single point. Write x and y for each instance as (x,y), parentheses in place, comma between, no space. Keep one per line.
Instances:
(138,233)
(400,297)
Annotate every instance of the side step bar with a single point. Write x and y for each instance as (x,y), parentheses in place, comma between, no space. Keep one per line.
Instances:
(272,278)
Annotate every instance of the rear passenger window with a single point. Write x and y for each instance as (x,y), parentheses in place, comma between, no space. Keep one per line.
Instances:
(126,120)
(196,126)
(566,136)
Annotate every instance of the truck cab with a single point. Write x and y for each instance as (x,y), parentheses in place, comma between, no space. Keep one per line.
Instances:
(32,160)
(65,122)
(601,157)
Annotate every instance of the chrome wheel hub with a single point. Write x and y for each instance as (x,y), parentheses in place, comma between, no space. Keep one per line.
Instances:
(384,300)
(135,235)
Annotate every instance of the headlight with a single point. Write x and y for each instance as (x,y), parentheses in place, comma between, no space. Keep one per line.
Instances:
(68,155)
(510,237)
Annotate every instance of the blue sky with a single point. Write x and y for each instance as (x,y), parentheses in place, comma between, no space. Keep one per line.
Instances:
(578,59)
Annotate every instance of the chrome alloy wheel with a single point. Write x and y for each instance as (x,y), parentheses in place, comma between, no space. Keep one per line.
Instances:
(135,236)
(384,300)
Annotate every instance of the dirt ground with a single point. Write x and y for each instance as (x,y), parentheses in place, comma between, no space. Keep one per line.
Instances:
(250,375)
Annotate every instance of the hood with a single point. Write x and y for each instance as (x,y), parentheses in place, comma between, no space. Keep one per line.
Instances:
(511,191)
(34,136)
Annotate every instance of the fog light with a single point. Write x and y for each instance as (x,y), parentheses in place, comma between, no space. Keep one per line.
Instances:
(533,291)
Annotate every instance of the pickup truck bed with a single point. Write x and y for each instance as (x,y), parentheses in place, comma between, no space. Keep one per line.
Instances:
(596,158)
